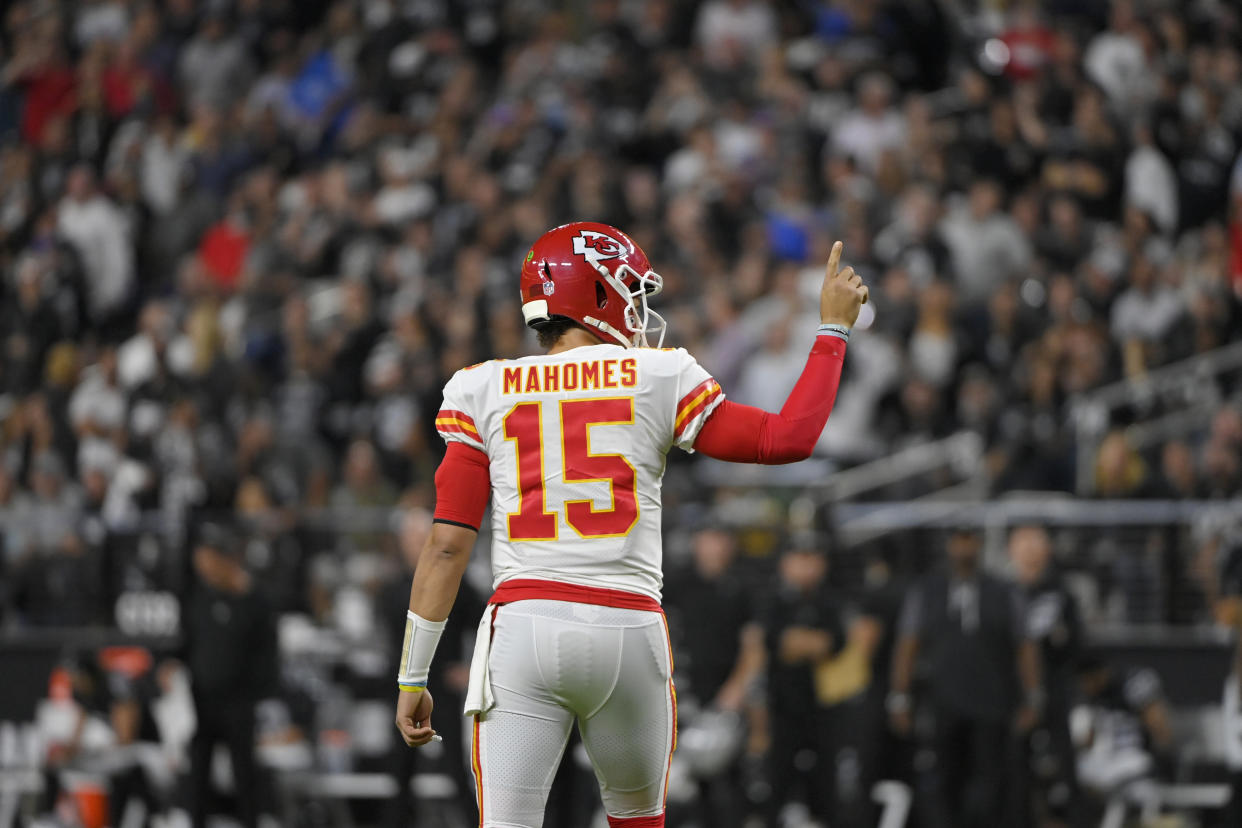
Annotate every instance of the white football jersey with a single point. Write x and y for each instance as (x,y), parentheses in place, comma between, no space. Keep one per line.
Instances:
(576,444)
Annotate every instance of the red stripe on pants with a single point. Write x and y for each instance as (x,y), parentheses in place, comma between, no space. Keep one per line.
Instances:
(656,821)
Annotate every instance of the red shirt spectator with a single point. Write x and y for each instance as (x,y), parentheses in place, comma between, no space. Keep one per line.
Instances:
(127,83)
(1030,43)
(1235,255)
(223,252)
(50,93)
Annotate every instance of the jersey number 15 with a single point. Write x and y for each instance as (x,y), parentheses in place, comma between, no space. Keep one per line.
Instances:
(524,426)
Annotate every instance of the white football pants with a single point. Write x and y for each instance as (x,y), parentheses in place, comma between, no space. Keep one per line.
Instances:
(553,663)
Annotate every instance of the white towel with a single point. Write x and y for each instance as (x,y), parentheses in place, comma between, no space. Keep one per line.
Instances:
(479,698)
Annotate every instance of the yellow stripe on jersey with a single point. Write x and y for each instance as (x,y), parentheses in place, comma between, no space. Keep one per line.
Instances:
(453,421)
(688,408)
(462,424)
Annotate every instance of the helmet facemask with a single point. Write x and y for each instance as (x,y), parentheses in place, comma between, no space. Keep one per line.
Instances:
(640,319)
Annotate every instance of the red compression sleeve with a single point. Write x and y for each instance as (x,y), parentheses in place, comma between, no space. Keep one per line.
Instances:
(744,434)
(463,485)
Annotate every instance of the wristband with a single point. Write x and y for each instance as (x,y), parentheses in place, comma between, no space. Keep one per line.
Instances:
(419,645)
(829,329)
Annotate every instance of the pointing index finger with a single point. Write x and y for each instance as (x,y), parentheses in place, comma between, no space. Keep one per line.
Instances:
(834,259)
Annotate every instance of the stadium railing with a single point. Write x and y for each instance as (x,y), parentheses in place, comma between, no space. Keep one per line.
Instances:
(1172,401)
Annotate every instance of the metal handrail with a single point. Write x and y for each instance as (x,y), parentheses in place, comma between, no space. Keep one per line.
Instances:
(962,451)
(896,516)
(1170,376)
(1090,410)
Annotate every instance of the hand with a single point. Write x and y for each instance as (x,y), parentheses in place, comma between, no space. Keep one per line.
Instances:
(843,292)
(901,722)
(804,644)
(730,698)
(414,717)
(1028,716)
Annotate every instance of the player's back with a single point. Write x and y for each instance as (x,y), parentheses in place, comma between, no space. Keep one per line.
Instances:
(576,444)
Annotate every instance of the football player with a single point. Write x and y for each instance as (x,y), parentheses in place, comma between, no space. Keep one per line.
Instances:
(570,446)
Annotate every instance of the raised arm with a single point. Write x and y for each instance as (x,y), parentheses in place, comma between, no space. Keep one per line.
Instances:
(744,434)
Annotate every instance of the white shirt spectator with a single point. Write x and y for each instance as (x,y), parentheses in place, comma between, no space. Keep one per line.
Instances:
(986,247)
(97,401)
(1116,62)
(1146,315)
(136,361)
(213,69)
(729,29)
(102,20)
(100,233)
(1151,186)
(768,376)
(161,170)
(865,137)
(932,357)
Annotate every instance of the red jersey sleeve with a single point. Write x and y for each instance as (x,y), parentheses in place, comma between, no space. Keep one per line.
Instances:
(463,486)
(744,434)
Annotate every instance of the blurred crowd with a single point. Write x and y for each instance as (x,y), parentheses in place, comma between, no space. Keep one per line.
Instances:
(243,243)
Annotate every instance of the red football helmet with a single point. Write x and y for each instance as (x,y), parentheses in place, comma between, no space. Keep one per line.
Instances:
(595,275)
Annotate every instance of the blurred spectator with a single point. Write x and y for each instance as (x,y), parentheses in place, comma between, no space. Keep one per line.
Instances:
(802,626)
(101,235)
(874,128)
(61,585)
(230,650)
(1146,311)
(719,653)
(732,32)
(882,753)
(1115,58)
(983,679)
(214,63)
(1125,731)
(1231,709)
(1119,470)
(1055,623)
(362,490)
(50,512)
(1151,184)
(1178,477)
(118,686)
(986,246)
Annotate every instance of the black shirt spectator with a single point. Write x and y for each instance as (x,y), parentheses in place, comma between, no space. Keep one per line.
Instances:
(709,608)
(1053,620)
(802,626)
(230,649)
(971,628)
(1129,735)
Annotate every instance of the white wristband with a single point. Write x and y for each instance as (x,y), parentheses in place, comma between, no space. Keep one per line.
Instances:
(421,638)
(839,331)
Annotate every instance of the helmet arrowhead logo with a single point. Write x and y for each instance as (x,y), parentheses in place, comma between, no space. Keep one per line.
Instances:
(596,247)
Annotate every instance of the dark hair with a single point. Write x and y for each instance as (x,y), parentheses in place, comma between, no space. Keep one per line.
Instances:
(550,332)
(1089,662)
